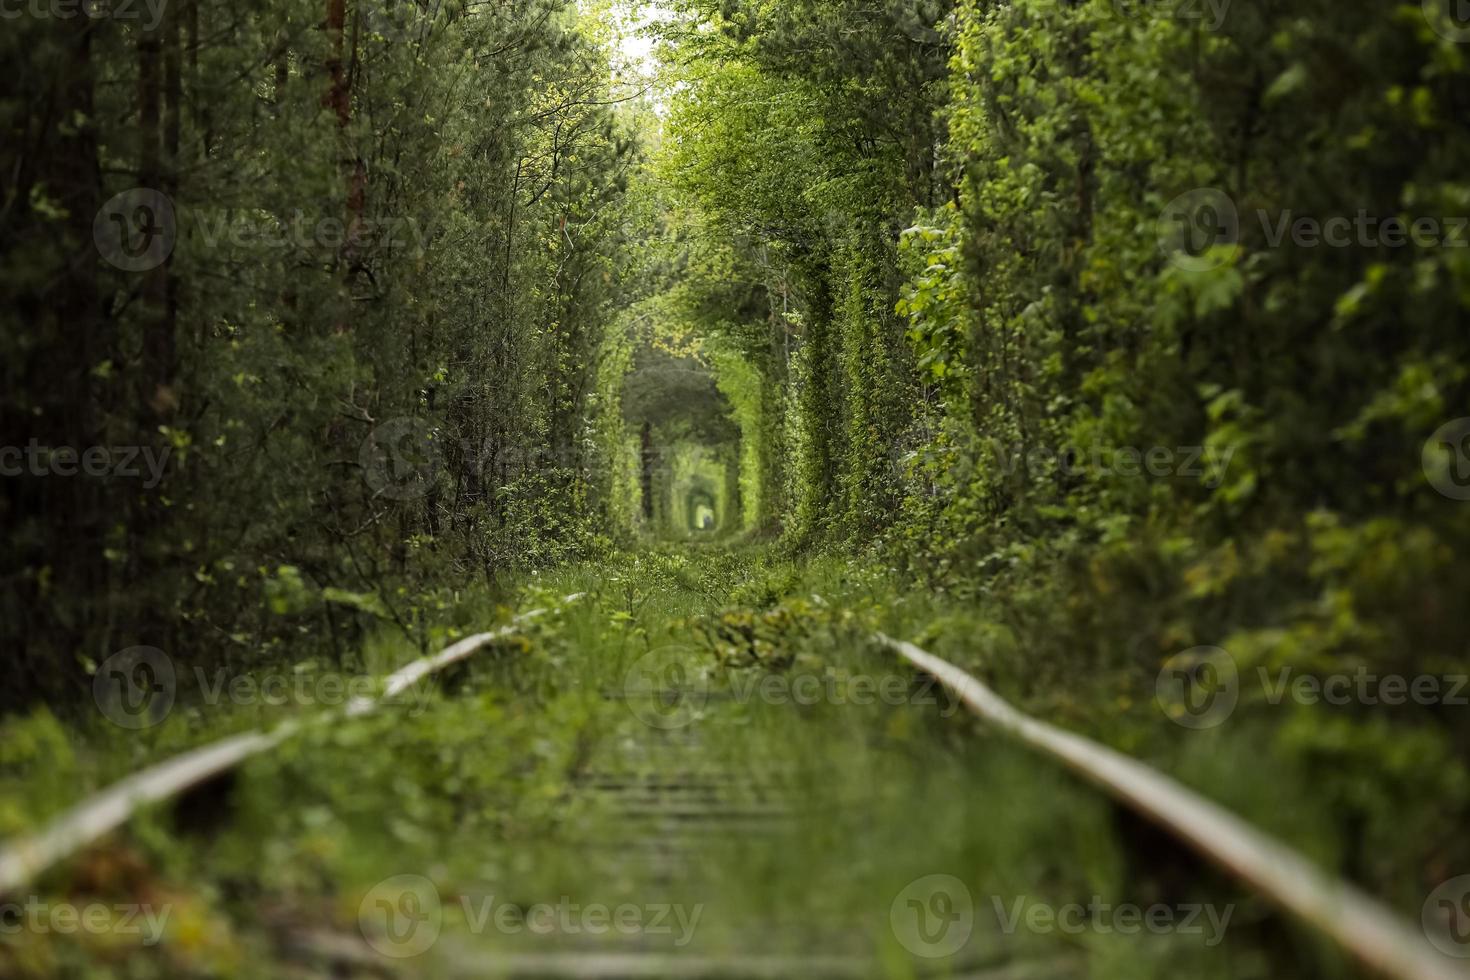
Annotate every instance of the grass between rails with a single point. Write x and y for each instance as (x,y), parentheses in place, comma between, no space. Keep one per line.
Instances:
(548,773)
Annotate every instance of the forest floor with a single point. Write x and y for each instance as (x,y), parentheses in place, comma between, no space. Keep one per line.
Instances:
(698,768)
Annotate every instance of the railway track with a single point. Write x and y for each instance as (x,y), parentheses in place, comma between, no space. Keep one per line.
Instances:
(672,815)
(673,812)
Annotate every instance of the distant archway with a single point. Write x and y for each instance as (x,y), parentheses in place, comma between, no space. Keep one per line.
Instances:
(685,445)
(703,509)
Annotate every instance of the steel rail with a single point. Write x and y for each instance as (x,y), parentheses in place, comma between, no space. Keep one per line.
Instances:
(1359,923)
(84,823)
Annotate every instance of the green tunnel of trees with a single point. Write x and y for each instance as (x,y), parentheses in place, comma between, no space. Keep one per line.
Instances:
(687,449)
(927,282)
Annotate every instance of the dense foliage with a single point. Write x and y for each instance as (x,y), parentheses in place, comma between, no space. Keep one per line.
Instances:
(352,298)
(1135,325)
